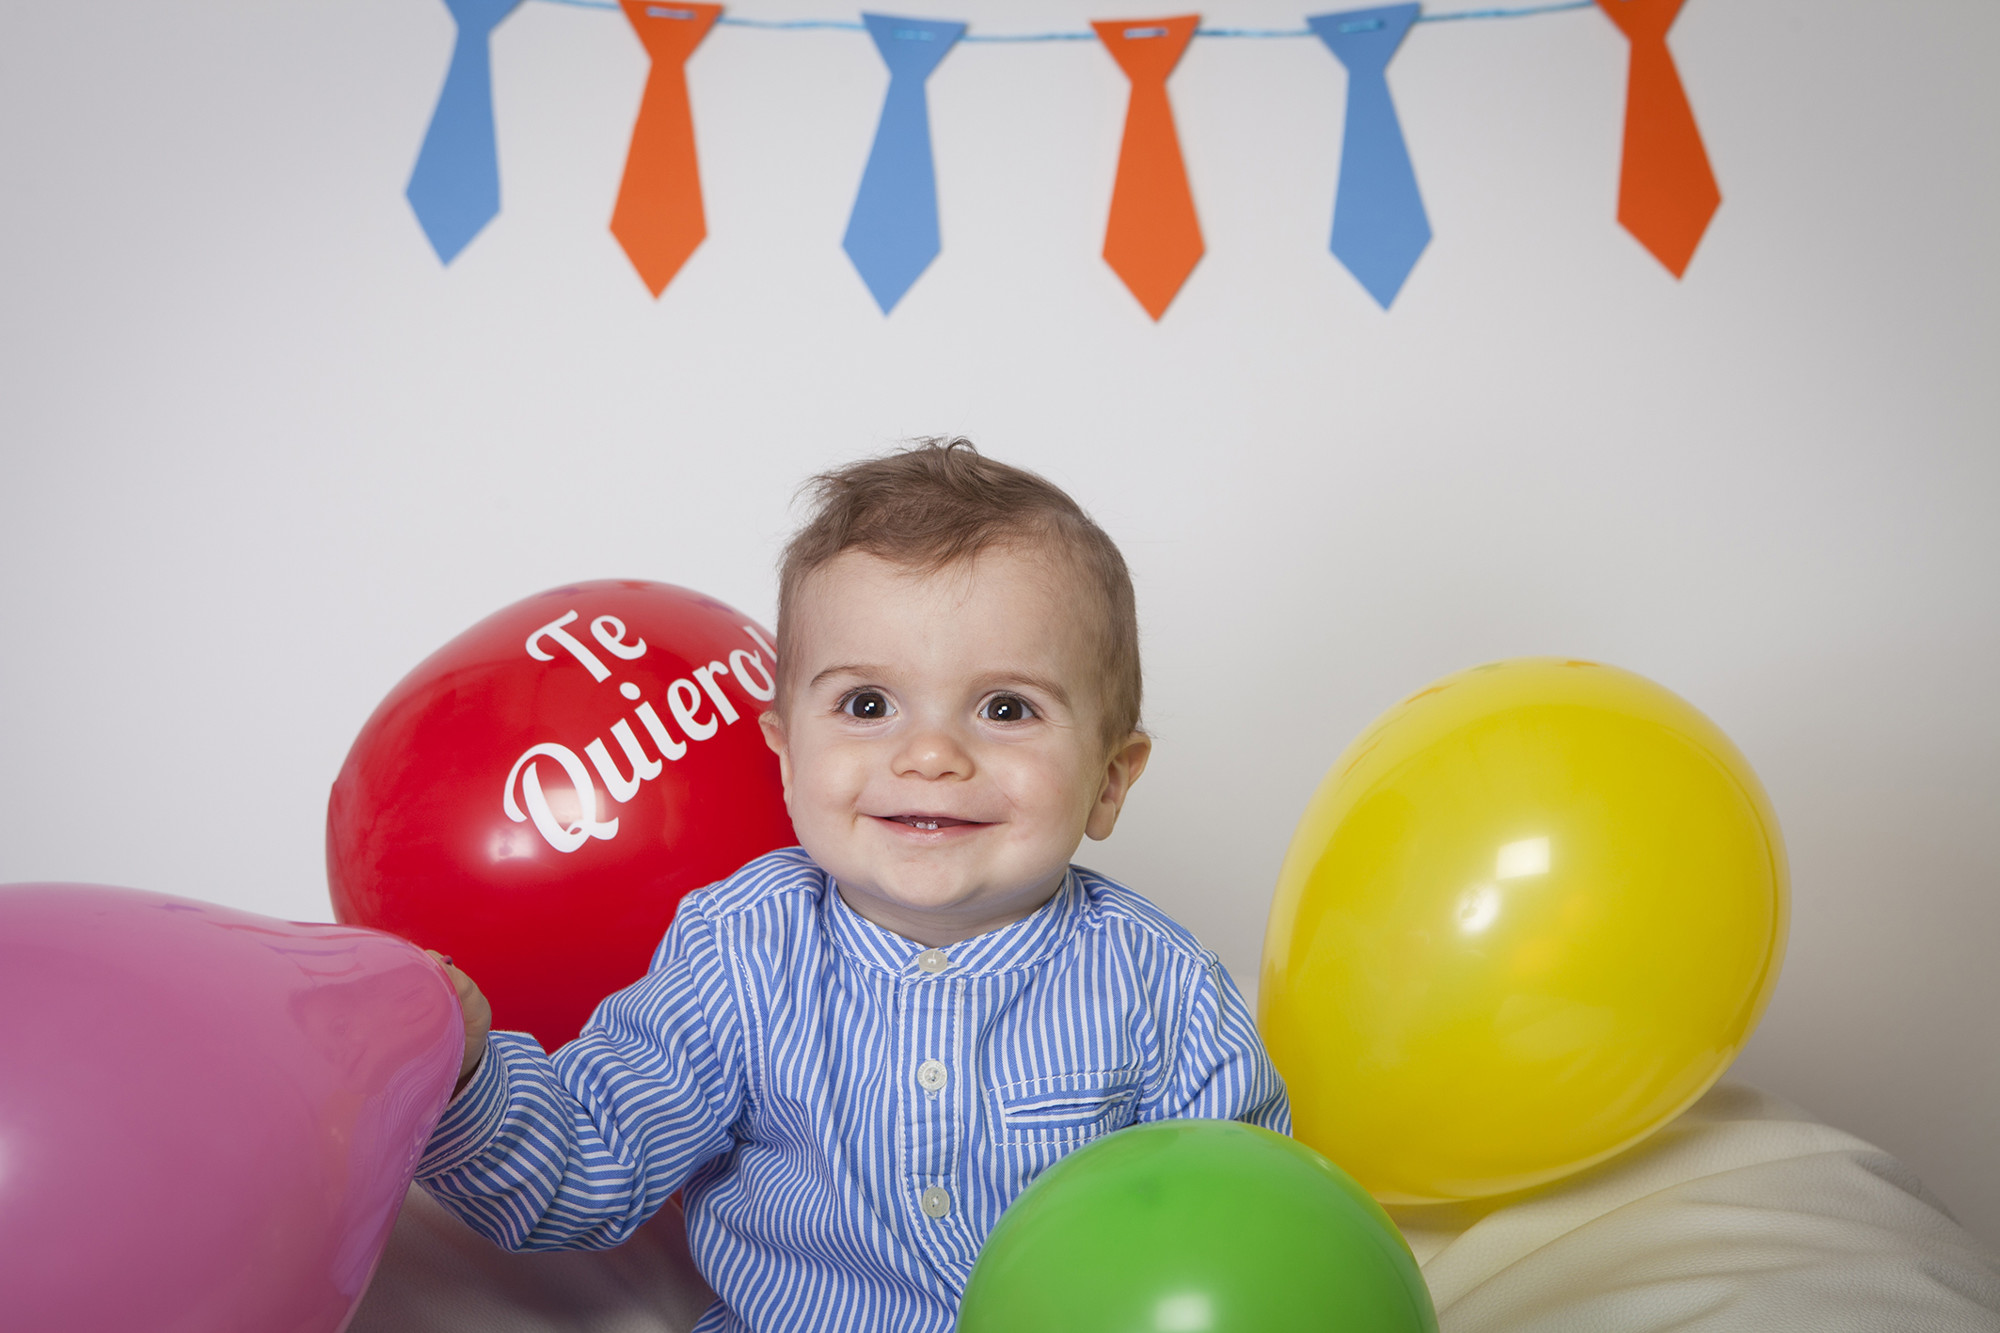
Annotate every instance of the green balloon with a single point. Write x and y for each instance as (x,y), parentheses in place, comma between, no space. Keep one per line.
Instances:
(1195,1226)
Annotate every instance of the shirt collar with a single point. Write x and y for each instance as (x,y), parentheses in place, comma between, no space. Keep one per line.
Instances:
(1022,944)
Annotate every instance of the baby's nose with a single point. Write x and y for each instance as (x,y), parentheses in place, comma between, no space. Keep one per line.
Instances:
(933,753)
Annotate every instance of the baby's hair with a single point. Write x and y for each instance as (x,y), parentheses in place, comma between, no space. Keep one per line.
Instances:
(940,502)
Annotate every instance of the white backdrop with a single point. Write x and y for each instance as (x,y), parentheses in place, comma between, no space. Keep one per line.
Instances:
(262,453)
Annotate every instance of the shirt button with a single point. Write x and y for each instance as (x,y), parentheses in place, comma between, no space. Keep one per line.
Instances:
(934,1201)
(931,1076)
(933,961)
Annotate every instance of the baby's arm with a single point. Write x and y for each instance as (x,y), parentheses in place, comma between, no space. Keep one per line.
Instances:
(477,1015)
(1219,1069)
(576,1150)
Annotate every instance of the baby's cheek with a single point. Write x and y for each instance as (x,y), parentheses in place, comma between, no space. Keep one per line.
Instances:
(827,777)
(1049,805)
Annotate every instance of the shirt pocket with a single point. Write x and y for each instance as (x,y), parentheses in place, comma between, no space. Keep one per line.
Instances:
(1066,1109)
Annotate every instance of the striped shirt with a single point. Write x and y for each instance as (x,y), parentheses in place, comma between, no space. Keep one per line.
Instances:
(848,1112)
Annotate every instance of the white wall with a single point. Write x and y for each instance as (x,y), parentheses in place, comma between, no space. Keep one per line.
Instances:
(262,453)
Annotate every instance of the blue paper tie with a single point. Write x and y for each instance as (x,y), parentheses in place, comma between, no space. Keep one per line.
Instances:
(892,235)
(1379,226)
(455,188)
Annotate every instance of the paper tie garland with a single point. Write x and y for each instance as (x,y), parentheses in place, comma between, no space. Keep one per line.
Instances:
(1379,226)
(892,235)
(658,218)
(455,187)
(1153,239)
(1667,192)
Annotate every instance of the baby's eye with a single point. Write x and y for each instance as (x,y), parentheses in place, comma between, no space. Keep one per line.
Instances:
(1006,708)
(868,705)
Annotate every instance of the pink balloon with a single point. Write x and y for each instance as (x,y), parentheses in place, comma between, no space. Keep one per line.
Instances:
(207,1118)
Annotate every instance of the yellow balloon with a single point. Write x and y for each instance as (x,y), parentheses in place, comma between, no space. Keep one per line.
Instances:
(1529,916)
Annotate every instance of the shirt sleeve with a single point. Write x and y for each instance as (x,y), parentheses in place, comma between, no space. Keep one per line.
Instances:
(1219,1069)
(575,1151)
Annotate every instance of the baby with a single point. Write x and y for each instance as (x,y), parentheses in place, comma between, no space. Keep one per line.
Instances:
(853,1054)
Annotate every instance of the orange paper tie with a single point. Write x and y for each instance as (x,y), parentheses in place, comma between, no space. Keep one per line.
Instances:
(658,217)
(1666,191)
(1153,240)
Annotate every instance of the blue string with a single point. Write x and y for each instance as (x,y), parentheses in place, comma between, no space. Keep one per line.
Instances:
(787,24)
(1029,37)
(1253,32)
(844,25)
(1510,12)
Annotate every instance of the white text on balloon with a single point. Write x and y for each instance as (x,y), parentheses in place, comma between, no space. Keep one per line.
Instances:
(685,700)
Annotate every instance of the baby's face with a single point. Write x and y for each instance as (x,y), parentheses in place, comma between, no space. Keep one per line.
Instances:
(941,740)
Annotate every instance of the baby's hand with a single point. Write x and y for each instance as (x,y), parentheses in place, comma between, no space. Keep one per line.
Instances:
(478,1016)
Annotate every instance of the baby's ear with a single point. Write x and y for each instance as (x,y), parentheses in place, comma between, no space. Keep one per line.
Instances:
(773,726)
(1121,770)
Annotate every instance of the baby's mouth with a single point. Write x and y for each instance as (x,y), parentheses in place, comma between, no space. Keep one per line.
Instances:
(928,823)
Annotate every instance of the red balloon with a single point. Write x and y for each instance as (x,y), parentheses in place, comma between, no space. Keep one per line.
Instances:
(538,795)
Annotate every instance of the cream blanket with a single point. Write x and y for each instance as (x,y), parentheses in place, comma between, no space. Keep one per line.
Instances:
(1743,1216)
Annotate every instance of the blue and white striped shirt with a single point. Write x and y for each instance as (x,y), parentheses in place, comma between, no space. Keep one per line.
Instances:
(848,1112)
